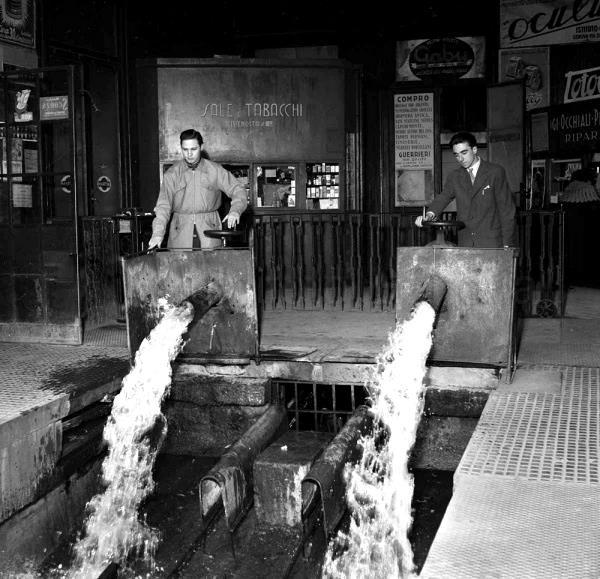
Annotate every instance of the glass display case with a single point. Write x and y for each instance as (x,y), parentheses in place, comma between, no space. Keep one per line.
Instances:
(297,186)
(322,186)
(276,185)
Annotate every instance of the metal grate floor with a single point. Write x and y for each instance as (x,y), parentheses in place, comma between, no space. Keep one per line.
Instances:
(517,529)
(527,489)
(33,375)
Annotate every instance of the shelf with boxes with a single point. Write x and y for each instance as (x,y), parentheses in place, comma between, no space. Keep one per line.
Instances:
(322,186)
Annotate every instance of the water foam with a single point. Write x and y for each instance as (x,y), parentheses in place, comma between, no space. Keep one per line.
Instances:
(379,488)
(133,433)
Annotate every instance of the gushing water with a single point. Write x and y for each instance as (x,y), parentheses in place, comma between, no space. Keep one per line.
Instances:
(134,432)
(379,488)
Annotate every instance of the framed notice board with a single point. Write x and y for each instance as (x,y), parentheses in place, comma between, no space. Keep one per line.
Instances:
(413,148)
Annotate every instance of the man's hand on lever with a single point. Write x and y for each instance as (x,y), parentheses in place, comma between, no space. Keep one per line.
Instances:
(154,243)
(429,216)
(232,219)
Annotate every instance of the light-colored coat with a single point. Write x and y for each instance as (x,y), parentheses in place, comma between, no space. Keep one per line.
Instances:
(191,197)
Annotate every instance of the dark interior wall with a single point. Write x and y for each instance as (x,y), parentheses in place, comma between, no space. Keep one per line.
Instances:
(258,111)
(89,35)
(145,176)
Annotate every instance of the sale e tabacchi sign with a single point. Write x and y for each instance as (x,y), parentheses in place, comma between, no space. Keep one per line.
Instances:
(543,23)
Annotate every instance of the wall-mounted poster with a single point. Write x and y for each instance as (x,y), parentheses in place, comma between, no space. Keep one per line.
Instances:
(533,66)
(448,57)
(17,22)
(413,148)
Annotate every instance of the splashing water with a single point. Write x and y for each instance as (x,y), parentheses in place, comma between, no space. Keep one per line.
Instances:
(134,432)
(379,488)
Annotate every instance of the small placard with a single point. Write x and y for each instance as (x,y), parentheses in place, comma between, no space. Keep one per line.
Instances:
(22,196)
(54,108)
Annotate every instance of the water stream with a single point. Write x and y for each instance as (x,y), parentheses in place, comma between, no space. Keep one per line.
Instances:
(134,432)
(379,488)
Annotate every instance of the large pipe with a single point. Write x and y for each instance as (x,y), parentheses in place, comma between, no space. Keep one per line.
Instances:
(230,480)
(433,291)
(203,299)
(323,488)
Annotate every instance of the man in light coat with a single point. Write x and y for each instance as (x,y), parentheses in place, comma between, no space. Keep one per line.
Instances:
(190,197)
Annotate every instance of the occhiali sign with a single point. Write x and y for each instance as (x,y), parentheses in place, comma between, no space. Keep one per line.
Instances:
(526,23)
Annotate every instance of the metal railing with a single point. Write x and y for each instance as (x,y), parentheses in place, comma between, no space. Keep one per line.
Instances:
(347,261)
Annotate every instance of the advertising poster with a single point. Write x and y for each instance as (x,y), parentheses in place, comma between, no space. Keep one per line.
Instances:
(544,23)
(531,65)
(448,57)
(413,148)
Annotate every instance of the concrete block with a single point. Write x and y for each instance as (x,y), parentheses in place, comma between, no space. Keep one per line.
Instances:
(192,429)
(24,464)
(30,535)
(278,474)
(217,390)
(441,441)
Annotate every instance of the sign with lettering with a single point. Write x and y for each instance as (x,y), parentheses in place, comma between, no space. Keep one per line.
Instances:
(582,85)
(257,112)
(54,107)
(448,57)
(574,128)
(543,23)
(413,149)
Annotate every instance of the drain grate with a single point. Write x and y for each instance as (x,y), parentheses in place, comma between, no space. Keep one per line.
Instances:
(319,406)
(543,437)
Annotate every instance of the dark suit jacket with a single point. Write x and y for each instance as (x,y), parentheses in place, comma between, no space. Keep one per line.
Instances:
(486,207)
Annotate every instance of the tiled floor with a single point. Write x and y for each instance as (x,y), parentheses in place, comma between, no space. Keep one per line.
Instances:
(527,489)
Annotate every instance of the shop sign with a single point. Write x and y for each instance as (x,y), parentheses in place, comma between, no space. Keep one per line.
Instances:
(543,23)
(574,127)
(104,184)
(448,57)
(532,65)
(582,85)
(54,107)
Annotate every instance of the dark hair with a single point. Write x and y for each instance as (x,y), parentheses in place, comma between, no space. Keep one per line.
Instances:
(190,134)
(463,137)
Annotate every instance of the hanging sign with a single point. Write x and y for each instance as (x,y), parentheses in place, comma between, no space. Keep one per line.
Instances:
(435,58)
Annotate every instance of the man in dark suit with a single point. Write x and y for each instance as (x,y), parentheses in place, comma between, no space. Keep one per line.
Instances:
(484,202)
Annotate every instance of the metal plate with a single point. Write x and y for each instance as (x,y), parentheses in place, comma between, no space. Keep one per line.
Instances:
(228,332)
(475,324)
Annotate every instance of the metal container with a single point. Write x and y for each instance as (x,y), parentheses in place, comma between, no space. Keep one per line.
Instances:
(476,322)
(228,332)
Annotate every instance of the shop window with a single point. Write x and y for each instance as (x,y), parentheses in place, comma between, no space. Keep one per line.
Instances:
(322,186)
(276,185)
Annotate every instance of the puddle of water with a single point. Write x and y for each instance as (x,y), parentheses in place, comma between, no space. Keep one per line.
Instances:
(380,487)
